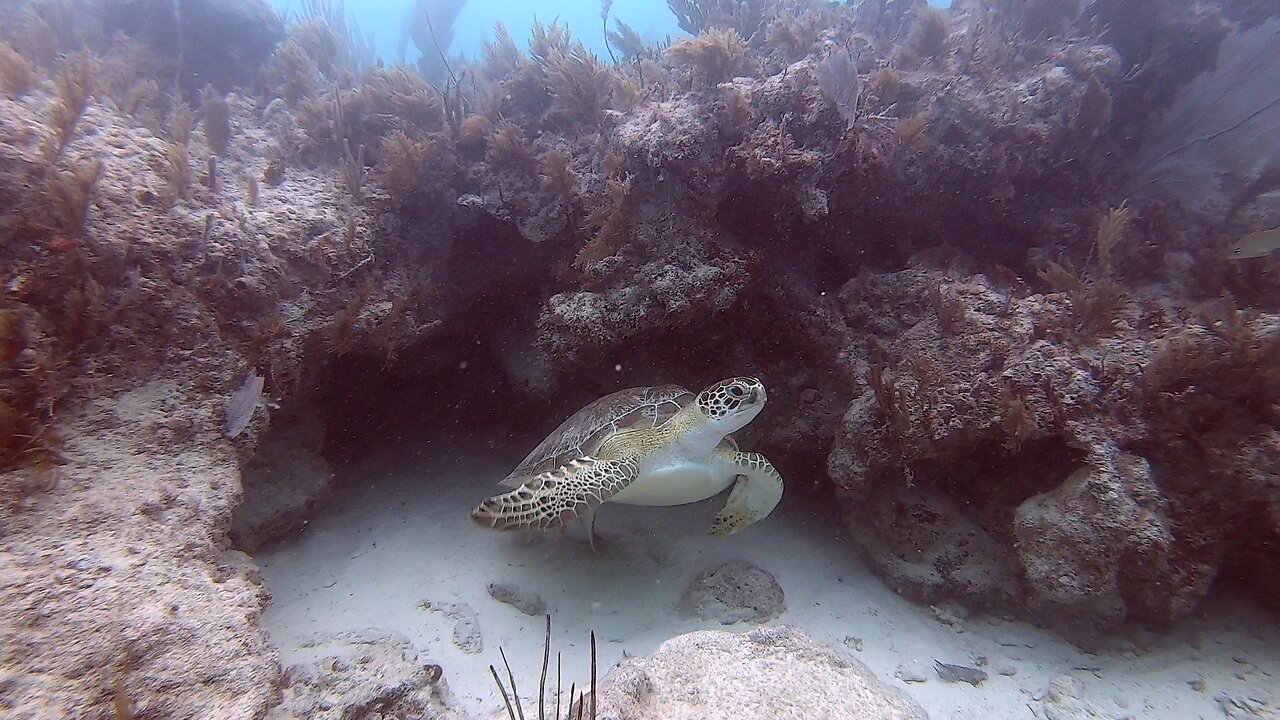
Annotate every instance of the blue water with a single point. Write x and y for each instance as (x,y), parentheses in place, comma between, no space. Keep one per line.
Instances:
(651,18)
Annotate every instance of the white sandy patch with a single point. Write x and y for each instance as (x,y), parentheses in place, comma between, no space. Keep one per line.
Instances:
(398,535)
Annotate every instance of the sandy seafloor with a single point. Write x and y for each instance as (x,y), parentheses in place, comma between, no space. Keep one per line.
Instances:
(398,534)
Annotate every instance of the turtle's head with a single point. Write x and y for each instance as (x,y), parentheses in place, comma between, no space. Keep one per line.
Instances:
(731,404)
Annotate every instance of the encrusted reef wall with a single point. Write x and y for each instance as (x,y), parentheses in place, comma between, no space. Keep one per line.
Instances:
(1003,453)
(153,261)
(1018,355)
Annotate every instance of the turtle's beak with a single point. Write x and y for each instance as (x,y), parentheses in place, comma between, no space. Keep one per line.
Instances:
(757,396)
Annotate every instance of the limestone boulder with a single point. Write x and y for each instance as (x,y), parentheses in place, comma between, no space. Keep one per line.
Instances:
(771,673)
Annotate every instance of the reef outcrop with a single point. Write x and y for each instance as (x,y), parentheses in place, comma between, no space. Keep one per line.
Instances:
(1000,454)
(1025,383)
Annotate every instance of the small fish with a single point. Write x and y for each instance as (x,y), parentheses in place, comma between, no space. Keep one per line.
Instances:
(1256,244)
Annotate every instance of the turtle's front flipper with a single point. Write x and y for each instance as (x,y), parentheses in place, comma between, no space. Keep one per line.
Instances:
(756,493)
(548,500)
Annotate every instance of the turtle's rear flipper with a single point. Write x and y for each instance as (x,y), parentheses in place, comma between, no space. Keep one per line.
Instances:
(755,495)
(588,518)
(548,500)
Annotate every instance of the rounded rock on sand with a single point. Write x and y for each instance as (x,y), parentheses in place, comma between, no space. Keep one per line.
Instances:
(735,591)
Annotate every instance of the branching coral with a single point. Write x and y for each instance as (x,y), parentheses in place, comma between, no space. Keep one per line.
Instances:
(950,310)
(384,331)
(473,134)
(1096,307)
(894,399)
(321,42)
(1096,302)
(1016,419)
(582,703)
(29,385)
(353,170)
(181,124)
(794,37)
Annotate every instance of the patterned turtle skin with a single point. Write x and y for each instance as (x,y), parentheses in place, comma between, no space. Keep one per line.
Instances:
(659,445)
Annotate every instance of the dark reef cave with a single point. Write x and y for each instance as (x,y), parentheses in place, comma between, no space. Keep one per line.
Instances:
(456,385)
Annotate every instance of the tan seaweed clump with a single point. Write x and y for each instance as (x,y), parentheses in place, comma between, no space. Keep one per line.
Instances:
(70,192)
(217,122)
(1097,300)
(500,56)
(1095,109)
(610,225)
(174,166)
(510,150)
(713,57)
(16,75)
(75,86)
(27,397)
(547,40)
(558,178)
(296,72)
(929,35)
(580,84)
(406,97)
(1219,374)
(473,134)
(416,172)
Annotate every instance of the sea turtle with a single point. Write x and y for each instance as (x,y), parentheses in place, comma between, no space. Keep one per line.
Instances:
(642,446)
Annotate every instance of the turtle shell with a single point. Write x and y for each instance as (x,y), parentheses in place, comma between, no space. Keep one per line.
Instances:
(582,433)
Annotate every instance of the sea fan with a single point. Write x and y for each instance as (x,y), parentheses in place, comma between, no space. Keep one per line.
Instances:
(242,404)
(1205,148)
(838,78)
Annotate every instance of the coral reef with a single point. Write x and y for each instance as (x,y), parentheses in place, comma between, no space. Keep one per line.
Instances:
(1028,382)
(993,461)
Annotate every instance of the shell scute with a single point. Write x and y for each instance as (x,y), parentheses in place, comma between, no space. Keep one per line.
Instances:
(581,434)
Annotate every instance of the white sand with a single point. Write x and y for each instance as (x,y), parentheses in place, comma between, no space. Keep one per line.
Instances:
(399,535)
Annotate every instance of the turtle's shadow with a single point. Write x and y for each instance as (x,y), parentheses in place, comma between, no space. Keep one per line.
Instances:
(646,556)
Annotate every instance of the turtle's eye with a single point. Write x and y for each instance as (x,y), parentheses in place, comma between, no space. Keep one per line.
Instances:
(736,391)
